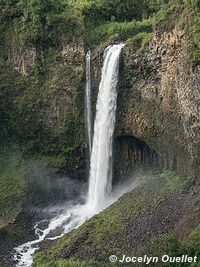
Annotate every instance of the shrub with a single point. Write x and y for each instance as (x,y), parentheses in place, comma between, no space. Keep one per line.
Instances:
(140,40)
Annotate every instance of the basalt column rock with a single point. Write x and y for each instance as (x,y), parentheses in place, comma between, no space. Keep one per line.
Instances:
(159,99)
(132,155)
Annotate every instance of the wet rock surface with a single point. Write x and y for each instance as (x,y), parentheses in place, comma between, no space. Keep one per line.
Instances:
(14,234)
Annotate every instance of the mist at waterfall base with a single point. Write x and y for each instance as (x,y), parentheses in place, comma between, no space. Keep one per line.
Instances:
(70,215)
(60,219)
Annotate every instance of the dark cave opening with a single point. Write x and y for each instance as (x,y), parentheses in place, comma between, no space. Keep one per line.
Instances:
(132,154)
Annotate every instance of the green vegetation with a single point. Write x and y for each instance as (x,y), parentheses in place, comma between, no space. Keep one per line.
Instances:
(174,180)
(106,234)
(170,245)
(193,7)
(26,101)
(41,23)
(140,40)
(34,116)
(69,263)
(12,185)
(44,25)
(118,31)
(159,246)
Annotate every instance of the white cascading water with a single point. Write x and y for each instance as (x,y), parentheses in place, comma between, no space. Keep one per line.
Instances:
(88,100)
(101,157)
(66,220)
(72,216)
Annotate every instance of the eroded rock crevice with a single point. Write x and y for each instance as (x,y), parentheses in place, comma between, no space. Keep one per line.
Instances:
(131,155)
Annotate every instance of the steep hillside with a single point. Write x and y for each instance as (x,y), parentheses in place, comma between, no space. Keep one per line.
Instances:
(156,217)
(41,98)
(42,139)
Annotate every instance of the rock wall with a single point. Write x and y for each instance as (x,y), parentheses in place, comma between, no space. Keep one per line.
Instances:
(159,98)
(64,83)
(47,107)
(131,156)
(158,103)
(20,57)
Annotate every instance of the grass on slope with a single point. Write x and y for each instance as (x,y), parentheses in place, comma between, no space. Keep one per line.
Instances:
(164,245)
(117,31)
(100,236)
(170,245)
(12,184)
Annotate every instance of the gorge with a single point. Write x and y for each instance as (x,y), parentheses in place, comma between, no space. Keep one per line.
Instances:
(100,131)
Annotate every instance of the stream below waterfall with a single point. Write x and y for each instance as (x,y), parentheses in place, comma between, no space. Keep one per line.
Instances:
(61,219)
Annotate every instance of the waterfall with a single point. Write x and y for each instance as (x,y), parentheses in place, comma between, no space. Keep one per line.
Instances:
(88,101)
(101,157)
(75,214)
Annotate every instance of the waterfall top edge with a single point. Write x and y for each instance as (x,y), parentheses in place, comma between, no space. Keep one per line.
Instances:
(107,47)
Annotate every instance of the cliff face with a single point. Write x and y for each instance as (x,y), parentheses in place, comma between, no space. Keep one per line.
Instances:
(46,110)
(158,105)
(159,100)
(64,69)
(42,122)
(157,124)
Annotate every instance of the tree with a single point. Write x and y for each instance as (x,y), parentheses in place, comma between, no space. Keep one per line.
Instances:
(41,18)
